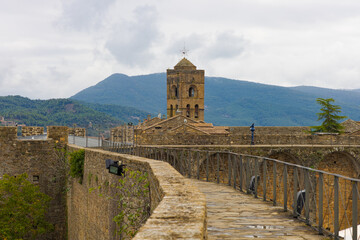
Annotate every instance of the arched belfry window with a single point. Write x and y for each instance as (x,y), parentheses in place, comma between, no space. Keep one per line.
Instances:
(188,110)
(174,91)
(196,111)
(171,110)
(191,92)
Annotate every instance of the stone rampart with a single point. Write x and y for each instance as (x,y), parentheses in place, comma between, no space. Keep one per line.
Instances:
(270,130)
(45,168)
(79,132)
(245,139)
(58,133)
(31,131)
(178,209)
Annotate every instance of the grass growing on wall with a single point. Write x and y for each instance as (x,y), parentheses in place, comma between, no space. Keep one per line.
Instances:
(132,194)
(77,159)
(133,203)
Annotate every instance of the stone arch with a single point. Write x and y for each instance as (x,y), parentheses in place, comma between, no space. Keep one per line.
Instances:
(196,115)
(284,156)
(188,110)
(280,172)
(212,167)
(192,91)
(174,91)
(342,163)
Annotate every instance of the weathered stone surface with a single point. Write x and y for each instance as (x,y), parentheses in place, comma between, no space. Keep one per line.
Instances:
(58,133)
(79,132)
(185,90)
(45,167)
(31,131)
(235,215)
(178,208)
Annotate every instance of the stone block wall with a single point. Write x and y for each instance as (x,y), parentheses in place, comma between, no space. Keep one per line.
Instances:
(172,197)
(123,134)
(79,132)
(58,133)
(45,168)
(270,130)
(31,131)
(297,138)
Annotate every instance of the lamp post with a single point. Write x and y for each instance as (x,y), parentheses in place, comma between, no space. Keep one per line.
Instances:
(252,129)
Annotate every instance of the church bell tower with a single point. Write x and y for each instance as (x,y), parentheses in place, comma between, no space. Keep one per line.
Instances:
(185,91)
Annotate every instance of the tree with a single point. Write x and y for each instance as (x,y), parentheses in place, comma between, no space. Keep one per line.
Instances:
(22,209)
(329,113)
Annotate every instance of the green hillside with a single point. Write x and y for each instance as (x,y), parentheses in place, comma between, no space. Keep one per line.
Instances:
(227,102)
(147,92)
(65,112)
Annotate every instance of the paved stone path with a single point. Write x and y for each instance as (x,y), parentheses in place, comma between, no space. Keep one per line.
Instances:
(235,215)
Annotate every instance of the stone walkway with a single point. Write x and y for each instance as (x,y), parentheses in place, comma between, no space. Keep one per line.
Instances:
(235,215)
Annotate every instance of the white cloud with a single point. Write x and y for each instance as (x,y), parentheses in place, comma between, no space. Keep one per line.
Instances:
(131,41)
(226,45)
(56,48)
(84,14)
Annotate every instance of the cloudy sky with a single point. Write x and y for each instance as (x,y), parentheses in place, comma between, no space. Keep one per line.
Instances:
(52,49)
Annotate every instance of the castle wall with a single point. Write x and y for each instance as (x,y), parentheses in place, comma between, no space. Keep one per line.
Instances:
(45,168)
(172,197)
(31,131)
(123,134)
(79,132)
(242,136)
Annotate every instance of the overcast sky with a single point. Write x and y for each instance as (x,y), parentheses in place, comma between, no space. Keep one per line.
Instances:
(55,48)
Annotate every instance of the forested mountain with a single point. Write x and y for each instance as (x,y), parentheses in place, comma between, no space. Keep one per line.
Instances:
(227,102)
(65,112)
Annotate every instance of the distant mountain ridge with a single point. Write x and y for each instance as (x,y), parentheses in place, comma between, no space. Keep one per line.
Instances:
(66,112)
(227,102)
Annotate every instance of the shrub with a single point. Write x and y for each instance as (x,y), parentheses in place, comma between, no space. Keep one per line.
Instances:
(77,164)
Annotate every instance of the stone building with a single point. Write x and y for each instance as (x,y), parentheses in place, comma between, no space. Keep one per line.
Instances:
(185,121)
(185,91)
(123,134)
(44,162)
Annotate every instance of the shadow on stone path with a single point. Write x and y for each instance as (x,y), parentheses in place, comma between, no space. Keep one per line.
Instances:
(235,215)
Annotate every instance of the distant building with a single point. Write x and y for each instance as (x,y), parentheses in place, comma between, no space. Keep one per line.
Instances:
(185,91)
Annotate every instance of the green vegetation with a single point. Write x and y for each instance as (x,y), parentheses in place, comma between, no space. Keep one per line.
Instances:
(133,203)
(125,114)
(132,194)
(22,209)
(329,115)
(227,102)
(66,112)
(77,159)
(60,112)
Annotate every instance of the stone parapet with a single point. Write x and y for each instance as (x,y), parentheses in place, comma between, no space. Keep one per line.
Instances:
(58,133)
(178,208)
(31,131)
(44,166)
(8,134)
(79,132)
(245,139)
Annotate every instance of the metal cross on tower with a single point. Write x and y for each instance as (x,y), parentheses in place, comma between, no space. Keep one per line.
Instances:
(184,51)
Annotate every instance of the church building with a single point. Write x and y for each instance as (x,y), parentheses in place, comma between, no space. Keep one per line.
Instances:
(185,91)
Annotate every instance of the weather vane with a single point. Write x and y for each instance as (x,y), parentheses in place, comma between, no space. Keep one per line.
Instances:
(184,51)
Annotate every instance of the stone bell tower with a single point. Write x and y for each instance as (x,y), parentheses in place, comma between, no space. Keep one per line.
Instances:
(185,91)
